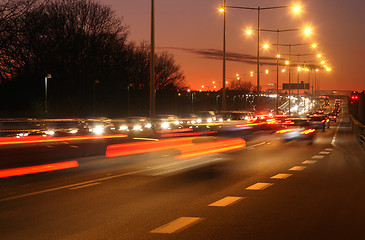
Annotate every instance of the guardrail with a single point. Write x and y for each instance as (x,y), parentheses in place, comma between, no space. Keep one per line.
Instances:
(359,129)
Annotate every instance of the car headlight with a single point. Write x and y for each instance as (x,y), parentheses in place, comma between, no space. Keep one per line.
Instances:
(49,132)
(123,128)
(199,120)
(73,131)
(209,120)
(98,130)
(148,125)
(137,127)
(165,125)
(177,122)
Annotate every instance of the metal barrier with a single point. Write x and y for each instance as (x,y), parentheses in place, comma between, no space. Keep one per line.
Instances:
(359,129)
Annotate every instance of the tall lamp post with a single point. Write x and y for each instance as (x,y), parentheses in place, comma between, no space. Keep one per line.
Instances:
(289,64)
(258,9)
(277,59)
(152,63)
(46,92)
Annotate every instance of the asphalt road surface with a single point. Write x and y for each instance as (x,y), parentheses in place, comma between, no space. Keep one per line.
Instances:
(269,190)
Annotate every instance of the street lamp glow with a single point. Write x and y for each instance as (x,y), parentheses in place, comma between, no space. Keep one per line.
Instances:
(266,46)
(251,74)
(299,69)
(314,45)
(317,70)
(267,71)
(278,55)
(283,70)
(319,55)
(323,62)
(249,31)
(287,62)
(296,9)
(308,31)
(221,9)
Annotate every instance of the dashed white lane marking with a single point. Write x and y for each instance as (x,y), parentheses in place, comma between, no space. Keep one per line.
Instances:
(74,146)
(281,176)
(86,185)
(225,202)
(329,149)
(297,168)
(259,186)
(325,153)
(333,143)
(309,162)
(177,225)
(318,157)
(256,145)
(49,146)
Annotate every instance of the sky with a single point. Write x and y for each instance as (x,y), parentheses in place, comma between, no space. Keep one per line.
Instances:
(192,30)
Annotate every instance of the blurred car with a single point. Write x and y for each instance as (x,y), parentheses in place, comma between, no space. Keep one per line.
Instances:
(320,121)
(332,116)
(298,129)
(98,126)
(205,117)
(132,124)
(165,122)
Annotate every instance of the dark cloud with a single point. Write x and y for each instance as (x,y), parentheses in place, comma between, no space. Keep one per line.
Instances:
(216,54)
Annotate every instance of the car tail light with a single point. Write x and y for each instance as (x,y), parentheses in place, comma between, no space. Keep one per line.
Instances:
(323,120)
(284,130)
(327,120)
(308,131)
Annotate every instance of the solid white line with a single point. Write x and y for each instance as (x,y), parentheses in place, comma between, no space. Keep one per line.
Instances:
(297,168)
(177,225)
(86,185)
(281,176)
(259,186)
(225,202)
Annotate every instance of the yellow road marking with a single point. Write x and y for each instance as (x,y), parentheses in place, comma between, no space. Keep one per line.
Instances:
(309,162)
(259,186)
(297,168)
(177,225)
(281,176)
(225,202)
(324,153)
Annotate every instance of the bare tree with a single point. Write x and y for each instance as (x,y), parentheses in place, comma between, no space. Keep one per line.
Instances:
(239,85)
(12,24)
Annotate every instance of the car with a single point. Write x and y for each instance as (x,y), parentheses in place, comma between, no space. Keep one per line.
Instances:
(320,121)
(298,129)
(132,124)
(332,116)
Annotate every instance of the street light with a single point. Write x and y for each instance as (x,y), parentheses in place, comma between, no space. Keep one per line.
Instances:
(288,62)
(152,63)
(296,9)
(46,92)
(277,60)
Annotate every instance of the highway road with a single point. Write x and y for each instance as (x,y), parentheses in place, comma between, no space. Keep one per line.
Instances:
(269,190)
